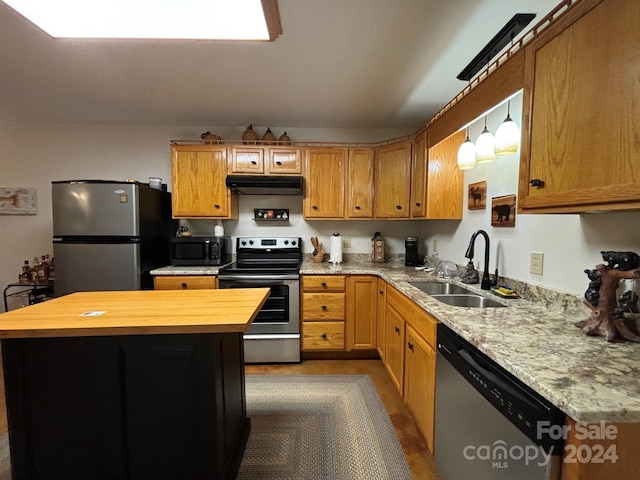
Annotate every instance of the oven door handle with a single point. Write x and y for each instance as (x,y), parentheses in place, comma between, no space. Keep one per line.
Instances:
(256,278)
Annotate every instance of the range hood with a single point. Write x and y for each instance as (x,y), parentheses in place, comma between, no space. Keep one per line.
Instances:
(265,184)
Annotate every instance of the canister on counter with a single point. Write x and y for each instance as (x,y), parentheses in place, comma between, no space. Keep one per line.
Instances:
(378,248)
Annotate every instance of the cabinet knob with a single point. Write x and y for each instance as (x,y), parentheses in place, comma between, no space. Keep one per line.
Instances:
(323,284)
(410,345)
(396,329)
(183,284)
(418,204)
(253,162)
(398,207)
(536,182)
(315,207)
(278,162)
(381,292)
(324,307)
(323,336)
(357,207)
(217,205)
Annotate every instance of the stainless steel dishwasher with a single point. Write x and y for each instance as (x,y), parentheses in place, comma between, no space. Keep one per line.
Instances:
(489,425)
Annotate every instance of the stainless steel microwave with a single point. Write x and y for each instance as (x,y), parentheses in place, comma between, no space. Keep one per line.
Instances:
(202,251)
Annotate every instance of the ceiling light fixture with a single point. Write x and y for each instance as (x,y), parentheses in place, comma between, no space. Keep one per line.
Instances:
(161,19)
(485,146)
(467,154)
(507,136)
(512,28)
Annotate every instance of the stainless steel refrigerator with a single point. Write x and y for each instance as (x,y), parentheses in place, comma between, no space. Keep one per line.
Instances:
(108,235)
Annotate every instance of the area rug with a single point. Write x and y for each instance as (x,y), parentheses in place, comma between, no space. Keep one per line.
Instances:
(319,427)
(316,427)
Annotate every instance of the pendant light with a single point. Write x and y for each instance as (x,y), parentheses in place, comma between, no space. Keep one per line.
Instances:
(485,146)
(467,154)
(507,135)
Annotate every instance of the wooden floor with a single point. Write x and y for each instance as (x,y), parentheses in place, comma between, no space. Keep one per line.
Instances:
(418,457)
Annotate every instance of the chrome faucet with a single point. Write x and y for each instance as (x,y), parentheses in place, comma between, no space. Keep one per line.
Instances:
(485,283)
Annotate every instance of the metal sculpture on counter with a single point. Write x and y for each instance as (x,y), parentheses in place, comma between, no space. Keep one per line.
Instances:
(609,312)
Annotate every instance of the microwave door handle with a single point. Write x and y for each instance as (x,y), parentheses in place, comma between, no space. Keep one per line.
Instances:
(207,251)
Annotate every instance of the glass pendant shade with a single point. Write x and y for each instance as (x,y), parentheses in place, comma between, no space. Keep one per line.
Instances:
(467,155)
(485,147)
(507,137)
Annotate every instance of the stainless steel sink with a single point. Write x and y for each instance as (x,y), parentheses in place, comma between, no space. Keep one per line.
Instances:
(473,301)
(437,288)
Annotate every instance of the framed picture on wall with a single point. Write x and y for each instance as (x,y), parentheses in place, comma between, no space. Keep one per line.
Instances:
(477,196)
(503,211)
(18,201)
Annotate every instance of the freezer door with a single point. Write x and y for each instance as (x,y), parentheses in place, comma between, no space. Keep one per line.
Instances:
(95,267)
(95,209)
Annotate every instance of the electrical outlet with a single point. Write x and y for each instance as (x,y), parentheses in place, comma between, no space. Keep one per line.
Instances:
(537,263)
(346,242)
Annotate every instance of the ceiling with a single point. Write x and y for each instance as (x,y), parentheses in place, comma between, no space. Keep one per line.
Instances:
(338,64)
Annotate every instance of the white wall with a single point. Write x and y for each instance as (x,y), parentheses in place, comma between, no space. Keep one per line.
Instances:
(34,155)
(570,242)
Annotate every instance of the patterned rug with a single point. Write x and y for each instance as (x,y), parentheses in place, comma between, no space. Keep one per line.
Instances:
(316,427)
(319,427)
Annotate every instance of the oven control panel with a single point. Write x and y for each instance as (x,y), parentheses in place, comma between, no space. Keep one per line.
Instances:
(268,243)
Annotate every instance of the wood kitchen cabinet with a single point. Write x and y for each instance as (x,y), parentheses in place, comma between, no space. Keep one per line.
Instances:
(264,160)
(359,187)
(393,180)
(579,130)
(361,313)
(445,180)
(381,299)
(184,282)
(324,171)
(419,176)
(198,174)
(410,357)
(420,376)
(323,312)
(394,344)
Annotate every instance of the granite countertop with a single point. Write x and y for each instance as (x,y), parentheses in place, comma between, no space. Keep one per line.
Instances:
(195,270)
(588,378)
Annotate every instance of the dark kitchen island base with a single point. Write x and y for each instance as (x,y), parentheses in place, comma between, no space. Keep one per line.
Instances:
(134,407)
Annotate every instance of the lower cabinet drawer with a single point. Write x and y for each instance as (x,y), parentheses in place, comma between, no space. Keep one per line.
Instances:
(322,336)
(323,306)
(184,282)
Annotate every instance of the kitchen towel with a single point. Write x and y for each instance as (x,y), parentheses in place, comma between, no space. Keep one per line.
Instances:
(335,254)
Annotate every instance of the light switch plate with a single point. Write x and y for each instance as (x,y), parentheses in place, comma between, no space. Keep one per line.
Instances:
(537,263)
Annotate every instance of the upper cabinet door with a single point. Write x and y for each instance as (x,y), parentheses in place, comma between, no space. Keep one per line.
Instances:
(445,179)
(392,181)
(581,147)
(198,174)
(284,160)
(419,177)
(324,176)
(246,159)
(360,183)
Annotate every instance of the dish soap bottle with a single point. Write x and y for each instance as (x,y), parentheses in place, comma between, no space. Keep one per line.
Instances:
(218,230)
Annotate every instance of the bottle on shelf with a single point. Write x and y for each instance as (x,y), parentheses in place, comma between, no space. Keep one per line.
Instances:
(42,274)
(34,270)
(52,270)
(218,230)
(25,275)
(46,268)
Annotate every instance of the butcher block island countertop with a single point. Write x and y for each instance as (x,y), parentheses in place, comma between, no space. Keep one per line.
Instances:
(139,384)
(144,312)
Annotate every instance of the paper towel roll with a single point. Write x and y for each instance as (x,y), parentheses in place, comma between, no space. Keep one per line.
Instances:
(335,254)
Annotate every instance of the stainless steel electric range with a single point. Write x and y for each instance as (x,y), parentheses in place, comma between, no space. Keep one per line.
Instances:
(274,262)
